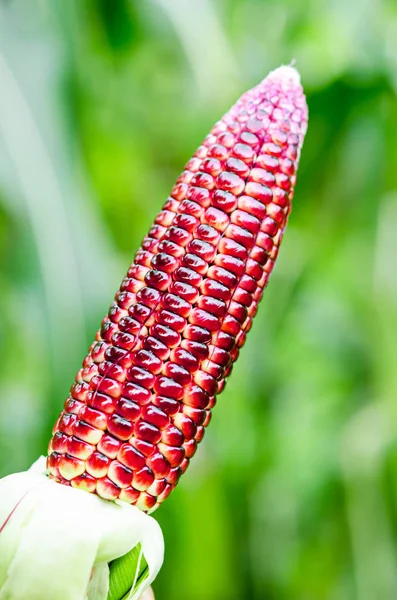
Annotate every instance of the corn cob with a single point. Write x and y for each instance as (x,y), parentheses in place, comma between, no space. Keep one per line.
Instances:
(141,402)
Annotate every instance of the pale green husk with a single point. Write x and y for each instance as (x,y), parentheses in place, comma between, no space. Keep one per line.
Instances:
(57,542)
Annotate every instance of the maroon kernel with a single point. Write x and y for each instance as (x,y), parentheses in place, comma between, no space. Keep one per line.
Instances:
(213,305)
(224,341)
(232,248)
(200,434)
(212,368)
(196,397)
(97,465)
(254,269)
(247,221)
(147,432)
(136,393)
(217,218)
(230,263)
(157,487)
(155,416)
(276,213)
(115,313)
(264,241)
(269,226)
(197,415)
(131,457)
(208,234)
(192,261)
(212,287)
(128,409)
(240,235)
(140,312)
(242,296)
(176,472)
(107,330)
(248,284)
(59,442)
(147,360)
(168,405)
(78,449)
(186,291)
(84,482)
(172,436)
(87,433)
(190,448)
(185,359)
(130,495)
(238,311)
(204,319)
(176,304)
(230,325)
(199,194)
(165,386)
(107,489)
(259,255)
(225,201)
(187,276)
(191,208)
(230,182)
(73,406)
(204,180)
(164,262)
(119,427)
(178,236)
(142,446)
(173,321)
(109,446)
(184,464)
(253,207)
(204,250)
(173,454)
(116,372)
(198,349)
(187,426)
(206,382)
(224,276)
(106,386)
(196,333)
(141,376)
(170,248)
(143,479)
(119,474)
(79,391)
(177,373)
(159,465)
(148,296)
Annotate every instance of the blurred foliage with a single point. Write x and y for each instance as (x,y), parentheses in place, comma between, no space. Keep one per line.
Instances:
(293,495)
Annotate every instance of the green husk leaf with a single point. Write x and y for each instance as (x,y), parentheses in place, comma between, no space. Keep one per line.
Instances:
(127,572)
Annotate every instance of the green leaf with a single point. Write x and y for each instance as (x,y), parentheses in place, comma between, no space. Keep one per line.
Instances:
(127,572)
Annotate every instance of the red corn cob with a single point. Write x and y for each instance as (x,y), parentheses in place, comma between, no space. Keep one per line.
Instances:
(143,398)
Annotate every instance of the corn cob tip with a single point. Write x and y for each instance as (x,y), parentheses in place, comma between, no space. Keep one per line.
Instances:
(286,73)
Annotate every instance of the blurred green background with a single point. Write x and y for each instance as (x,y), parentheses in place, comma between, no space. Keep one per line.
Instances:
(293,495)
